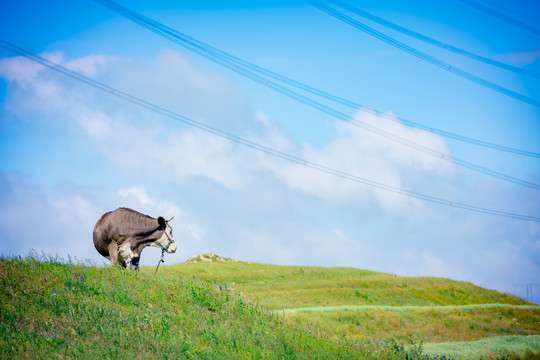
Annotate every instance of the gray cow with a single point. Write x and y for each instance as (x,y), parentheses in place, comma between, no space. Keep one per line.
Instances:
(122,234)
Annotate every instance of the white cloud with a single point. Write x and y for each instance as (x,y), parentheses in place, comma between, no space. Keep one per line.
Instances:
(138,198)
(24,70)
(34,88)
(19,69)
(130,137)
(50,220)
(137,193)
(170,80)
(96,125)
(369,156)
(91,64)
(127,136)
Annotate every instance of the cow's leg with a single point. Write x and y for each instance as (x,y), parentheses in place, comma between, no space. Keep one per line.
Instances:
(113,253)
(135,263)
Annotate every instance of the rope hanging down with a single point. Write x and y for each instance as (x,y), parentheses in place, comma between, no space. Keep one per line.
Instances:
(160,261)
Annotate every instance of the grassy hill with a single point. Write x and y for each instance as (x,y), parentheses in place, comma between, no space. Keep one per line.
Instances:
(235,310)
(367,305)
(50,309)
(279,287)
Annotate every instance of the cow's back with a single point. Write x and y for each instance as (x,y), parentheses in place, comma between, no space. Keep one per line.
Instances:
(119,225)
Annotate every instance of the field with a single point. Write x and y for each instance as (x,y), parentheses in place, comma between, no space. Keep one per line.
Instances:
(50,308)
(370,306)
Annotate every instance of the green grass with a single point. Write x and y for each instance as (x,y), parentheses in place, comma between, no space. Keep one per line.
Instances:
(286,287)
(493,347)
(235,310)
(371,306)
(51,309)
(426,324)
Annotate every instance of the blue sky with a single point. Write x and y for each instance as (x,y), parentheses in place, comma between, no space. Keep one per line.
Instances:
(69,153)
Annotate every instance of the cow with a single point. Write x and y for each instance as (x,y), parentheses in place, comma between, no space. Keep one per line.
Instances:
(122,234)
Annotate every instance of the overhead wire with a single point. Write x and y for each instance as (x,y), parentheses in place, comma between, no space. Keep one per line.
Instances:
(499,15)
(254,145)
(203,49)
(217,56)
(422,55)
(236,64)
(431,40)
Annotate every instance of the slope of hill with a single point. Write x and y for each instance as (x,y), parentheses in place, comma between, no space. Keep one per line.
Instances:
(368,305)
(50,309)
(279,287)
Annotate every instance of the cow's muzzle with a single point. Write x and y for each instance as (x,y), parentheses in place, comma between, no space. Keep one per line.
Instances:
(171,246)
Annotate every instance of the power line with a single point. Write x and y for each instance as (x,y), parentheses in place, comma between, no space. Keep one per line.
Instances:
(254,145)
(432,41)
(421,55)
(501,16)
(237,64)
(225,60)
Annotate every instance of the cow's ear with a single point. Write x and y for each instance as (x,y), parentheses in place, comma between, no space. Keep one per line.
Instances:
(161,222)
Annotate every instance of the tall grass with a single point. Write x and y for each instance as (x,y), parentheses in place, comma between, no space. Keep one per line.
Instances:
(53,309)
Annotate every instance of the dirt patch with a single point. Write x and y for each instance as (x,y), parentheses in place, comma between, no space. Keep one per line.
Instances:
(209,258)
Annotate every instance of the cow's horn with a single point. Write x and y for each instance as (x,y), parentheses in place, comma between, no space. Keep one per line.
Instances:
(169,219)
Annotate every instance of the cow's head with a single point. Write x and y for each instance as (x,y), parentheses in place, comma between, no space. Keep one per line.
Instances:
(166,241)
